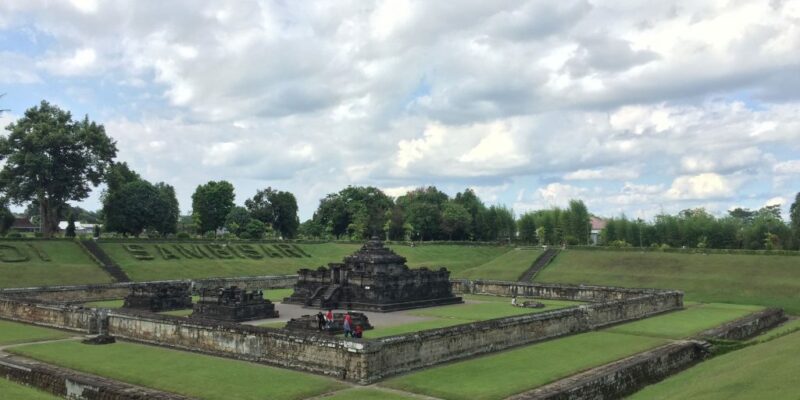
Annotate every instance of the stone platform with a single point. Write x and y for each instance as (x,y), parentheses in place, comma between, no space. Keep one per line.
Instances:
(233,305)
(159,296)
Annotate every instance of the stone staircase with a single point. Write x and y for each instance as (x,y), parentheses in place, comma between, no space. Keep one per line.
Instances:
(539,264)
(91,247)
(323,297)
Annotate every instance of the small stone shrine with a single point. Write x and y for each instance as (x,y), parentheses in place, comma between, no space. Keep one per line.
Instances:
(374,278)
(309,323)
(160,296)
(233,304)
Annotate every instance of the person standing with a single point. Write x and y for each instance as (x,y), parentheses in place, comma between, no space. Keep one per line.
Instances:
(329,319)
(347,325)
(359,332)
(320,321)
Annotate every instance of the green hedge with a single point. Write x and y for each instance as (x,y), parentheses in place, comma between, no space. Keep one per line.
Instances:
(689,250)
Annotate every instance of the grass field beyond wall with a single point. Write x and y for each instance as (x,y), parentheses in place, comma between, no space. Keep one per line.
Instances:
(166,261)
(765,371)
(46,263)
(772,281)
(182,372)
(14,391)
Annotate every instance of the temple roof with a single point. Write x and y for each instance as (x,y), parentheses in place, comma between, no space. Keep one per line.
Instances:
(374,252)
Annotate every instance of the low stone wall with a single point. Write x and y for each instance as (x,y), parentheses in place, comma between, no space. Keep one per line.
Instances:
(403,353)
(624,377)
(547,290)
(73,385)
(86,293)
(748,326)
(64,317)
(343,359)
(248,282)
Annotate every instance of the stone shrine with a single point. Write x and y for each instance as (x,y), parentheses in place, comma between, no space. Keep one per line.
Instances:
(233,304)
(374,278)
(308,323)
(159,296)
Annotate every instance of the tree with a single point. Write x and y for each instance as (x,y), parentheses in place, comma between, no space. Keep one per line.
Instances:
(132,204)
(470,201)
(526,225)
(578,224)
(96,231)
(277,209)
(6,217)
(70,231)
(357,211)
(237,219)
(794,218)
(456,221)
(254,229)
(211,204)
(52,159)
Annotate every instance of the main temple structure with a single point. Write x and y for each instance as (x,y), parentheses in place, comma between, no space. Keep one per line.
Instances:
(372,279)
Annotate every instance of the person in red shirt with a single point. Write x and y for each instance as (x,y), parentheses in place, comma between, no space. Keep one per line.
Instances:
(359,331)
(348,325)
(329,319)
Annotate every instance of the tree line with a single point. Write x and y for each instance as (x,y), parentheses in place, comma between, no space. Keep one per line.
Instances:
(50,159)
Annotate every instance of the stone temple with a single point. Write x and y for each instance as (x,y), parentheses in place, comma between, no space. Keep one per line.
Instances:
(159,296)
(372,279)
(233,304)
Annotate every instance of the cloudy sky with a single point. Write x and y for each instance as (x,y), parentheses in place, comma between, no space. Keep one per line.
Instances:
(632,106)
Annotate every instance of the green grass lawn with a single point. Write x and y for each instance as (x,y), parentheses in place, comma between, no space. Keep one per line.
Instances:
(190,374)
(366,394)
(184,268)
(765,371)
(459,260)
(488,310)
(67,265)
(506,267)
(462,261)
(11,390)
(772,281)
(15,332)
(503,374)
(689,322)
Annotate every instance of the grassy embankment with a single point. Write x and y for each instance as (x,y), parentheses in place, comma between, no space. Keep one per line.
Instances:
(14,332)
(764,371)
(46,263)
(491,262)
(14,391)
(772,281)
(497,376)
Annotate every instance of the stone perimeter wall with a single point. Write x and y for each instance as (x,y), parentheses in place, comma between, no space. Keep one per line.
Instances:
(372,360)
(74,385)
(624,377)
(111,291)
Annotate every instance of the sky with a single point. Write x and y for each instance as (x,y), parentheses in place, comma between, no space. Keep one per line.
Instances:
(635,107)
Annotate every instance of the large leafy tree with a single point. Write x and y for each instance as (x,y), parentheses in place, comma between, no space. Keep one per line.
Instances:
(211,204)
(456,221)
(52,159)
(132,204)
(277,209)
(357,211)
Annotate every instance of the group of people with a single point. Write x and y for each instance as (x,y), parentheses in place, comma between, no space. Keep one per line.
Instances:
(325,322)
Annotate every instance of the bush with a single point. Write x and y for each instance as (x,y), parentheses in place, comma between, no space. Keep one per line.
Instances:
(183,236)
(15,235)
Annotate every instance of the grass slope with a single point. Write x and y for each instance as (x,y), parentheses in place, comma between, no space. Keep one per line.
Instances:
(494,262)
(764,371)
(68,265)
(14,332)
(689,322)
(367,394)
(506,267)
(772,281)
(183,268)
(11,390)
(500,375)
(181,372)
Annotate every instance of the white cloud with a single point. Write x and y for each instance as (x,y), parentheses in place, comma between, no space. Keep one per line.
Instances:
(787,167)
(610,173)
(80,62)
(699,187)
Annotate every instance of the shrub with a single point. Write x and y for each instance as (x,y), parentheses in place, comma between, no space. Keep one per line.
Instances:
(183,236)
